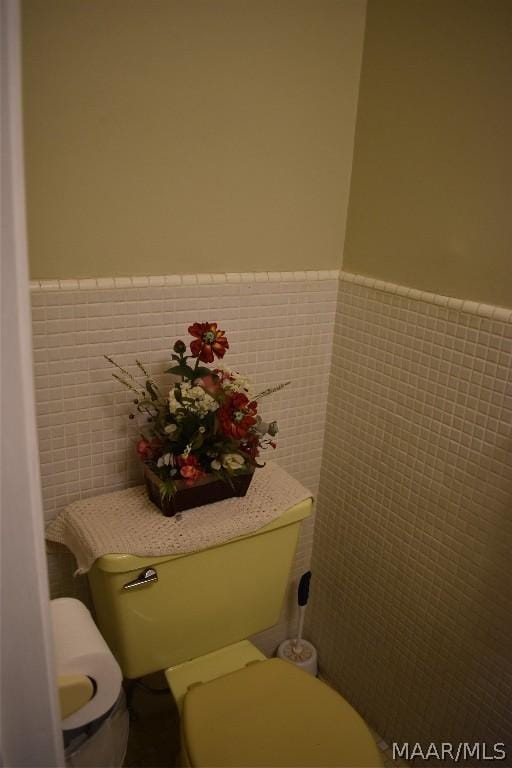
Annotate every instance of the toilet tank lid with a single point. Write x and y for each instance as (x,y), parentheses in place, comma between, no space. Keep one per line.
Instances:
(122,563)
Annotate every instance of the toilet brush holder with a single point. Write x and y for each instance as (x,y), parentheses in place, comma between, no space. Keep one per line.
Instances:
(301,653)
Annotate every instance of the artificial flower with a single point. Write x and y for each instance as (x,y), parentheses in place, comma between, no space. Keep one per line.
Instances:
(233,461)
(208,342)
(233,382)
(237,415)
(207,423)
(209,383)
(165,460)
(149,449)
(180,347)
(194,399)
(265,428)
(144,449)
(190,468)
(251,445)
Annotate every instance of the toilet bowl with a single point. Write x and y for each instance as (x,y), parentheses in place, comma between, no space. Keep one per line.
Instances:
(267,713)
(191,619)
(272,714)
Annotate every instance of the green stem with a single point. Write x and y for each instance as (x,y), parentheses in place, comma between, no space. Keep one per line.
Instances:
(198,358)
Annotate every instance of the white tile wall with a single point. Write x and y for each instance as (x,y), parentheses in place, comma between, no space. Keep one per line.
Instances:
(412,588)
(279,327)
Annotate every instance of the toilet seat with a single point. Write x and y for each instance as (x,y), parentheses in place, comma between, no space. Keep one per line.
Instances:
(272,714)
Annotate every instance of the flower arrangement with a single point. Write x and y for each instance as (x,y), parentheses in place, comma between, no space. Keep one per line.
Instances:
(207,424)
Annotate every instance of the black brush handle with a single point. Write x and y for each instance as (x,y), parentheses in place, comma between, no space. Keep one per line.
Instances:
(303,592)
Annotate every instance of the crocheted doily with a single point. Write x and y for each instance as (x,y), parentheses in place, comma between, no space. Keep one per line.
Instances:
(126,522)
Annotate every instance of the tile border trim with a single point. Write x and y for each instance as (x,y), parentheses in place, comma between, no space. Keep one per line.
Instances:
(461,305)
(159,281)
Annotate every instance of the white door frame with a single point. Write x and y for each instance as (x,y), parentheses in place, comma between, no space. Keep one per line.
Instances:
(30,734)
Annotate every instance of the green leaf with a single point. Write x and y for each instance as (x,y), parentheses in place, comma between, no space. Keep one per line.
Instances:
(177,394)
(167,489)
(202,371)
(227,476)
(182,370)
(197,442)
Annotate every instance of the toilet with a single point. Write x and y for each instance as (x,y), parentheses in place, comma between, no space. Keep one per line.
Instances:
(190,615)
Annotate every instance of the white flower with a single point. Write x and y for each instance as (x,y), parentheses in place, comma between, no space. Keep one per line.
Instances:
(195,399)
(202,430)
(261,426)
(233,382)
(265,428)
(164,460)
(232,461)
(186,450)
(215,464)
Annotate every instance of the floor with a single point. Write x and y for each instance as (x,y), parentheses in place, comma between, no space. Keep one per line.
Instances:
(154,728)
(387,753)
(154,725)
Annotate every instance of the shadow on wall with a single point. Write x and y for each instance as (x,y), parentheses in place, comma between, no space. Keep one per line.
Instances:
(61,567)
(412,598)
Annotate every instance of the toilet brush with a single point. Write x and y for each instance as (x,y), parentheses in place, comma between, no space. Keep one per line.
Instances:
(302,599)
(299,651)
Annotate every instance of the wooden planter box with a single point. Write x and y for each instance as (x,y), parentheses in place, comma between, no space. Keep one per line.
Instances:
(206,490)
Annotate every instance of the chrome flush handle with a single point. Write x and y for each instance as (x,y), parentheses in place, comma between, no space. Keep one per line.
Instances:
(147,576)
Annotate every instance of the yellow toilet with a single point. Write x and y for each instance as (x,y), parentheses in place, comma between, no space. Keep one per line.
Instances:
(189,615)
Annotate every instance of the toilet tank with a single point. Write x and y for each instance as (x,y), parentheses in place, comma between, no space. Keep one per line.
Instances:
(201,601)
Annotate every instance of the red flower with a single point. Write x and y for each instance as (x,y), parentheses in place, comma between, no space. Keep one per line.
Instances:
(190,468)
(237,415)
(251,445)
(149,449)
(208,341)
(144,449)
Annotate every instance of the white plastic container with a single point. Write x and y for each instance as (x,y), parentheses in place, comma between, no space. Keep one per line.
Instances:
(303,656)
(102,744)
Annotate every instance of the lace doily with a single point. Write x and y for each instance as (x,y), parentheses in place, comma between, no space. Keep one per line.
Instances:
(126,522)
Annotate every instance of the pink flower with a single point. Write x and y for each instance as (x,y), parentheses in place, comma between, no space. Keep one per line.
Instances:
(144,450)
(209,383)
(149,449)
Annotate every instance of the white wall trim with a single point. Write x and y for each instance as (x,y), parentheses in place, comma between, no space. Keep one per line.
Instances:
(462,305)
(159,281)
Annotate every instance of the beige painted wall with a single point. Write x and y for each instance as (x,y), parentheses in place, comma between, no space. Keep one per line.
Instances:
(188,135)
(430,202)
